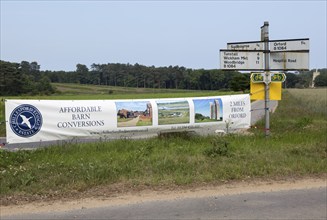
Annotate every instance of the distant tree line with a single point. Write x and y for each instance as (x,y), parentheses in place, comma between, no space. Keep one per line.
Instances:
(140,76)
(26,78)
(23,78)
(304,79)
(174,77)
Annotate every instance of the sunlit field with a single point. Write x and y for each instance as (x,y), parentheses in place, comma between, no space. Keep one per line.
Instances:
(315,99)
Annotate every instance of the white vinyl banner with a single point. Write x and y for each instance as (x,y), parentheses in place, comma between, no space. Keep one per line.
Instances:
(48,120)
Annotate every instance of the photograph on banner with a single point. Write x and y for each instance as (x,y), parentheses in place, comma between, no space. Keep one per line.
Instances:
(132,114)
(173,112)
(208,110)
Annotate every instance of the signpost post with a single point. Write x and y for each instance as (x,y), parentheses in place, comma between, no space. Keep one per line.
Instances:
(266,55)
(265,39)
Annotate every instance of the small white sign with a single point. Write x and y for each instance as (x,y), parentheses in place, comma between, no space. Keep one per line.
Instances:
(289,61)
(241,60)
(245,46)
(289,45)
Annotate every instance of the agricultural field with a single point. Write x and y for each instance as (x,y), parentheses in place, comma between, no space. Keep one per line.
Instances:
(315,98)
(296,149)
(177,112)
(77,91)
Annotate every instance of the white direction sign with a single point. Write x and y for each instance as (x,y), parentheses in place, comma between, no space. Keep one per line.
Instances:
(241,60)
(289,45)
(274,45)
(289,61)
(254,45)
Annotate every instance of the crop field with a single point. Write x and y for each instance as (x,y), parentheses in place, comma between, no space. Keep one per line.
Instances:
(173,112)
(296,148)
(76,91)
(315,99)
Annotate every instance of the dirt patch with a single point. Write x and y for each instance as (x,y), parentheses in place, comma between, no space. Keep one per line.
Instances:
(102,197)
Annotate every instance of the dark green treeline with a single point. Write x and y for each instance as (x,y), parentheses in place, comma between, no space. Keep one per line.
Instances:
(26,78)
(140,76)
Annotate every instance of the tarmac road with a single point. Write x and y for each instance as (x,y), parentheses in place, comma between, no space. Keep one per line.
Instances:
(287,204)
(257,113)
(258,110)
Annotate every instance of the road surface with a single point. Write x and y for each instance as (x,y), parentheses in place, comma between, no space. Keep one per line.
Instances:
(129,123)
(258,110)
(285,204)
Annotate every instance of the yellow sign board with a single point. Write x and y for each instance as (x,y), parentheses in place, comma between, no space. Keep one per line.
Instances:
(257,91)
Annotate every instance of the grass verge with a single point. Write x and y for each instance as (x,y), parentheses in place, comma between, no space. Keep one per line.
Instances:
(297,147)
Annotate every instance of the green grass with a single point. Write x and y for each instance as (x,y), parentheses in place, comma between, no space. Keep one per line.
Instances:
(144,122)
(205,120)
(315,100)
(70,91)
(296,148)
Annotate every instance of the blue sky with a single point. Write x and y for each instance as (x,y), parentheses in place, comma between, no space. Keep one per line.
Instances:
(60,34)
(202,106)
(132,106)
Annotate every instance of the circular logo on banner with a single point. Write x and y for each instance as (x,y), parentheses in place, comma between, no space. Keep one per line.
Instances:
(25,120)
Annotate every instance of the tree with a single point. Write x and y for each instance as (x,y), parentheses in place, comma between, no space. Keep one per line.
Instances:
(321,80)
(195,79)
(17,79)
(291,80)
(82,73)
(11,80)
(44,86)
(240,82)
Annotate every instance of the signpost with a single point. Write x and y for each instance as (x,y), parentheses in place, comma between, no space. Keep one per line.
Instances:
(253,45)
(266,55)
(289,60)
(289,45)
(257,77)
(274,45)
(281,55)
(265,39)
(257,91)
(239,60)
(272,77)
(277,77)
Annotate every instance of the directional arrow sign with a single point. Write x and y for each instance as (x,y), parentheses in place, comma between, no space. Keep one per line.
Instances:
(272,77)
(289,45)
(274,45)
(258,77)
(253,45)
(289,60)
(241,60)
(278,77)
